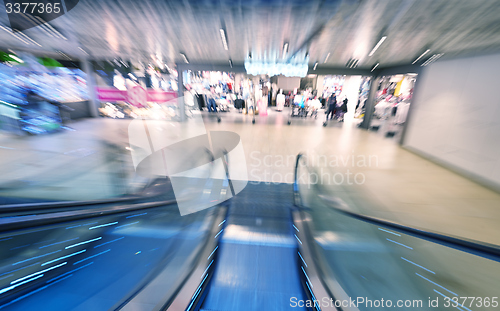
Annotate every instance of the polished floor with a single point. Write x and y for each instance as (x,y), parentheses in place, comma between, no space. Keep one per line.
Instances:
(370,172)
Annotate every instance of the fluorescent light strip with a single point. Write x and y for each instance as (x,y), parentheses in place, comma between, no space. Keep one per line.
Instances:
(378,45)
(55,31)
(185,58)
(63,257)
(326,59)
(45,26)
(432,59)
(231,63)
(375,67)
(38,22)
(14,286)
(315,65)
(224,40)
(104,225)
(14,34)
(37,273)
(285,48)
(420,56)
(83,50)
(85,242)
(14,57)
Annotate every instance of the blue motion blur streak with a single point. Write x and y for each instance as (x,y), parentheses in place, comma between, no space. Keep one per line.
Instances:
(84,242)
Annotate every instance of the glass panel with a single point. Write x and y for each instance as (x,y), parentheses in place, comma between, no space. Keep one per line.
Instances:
(97,264)
(383,268)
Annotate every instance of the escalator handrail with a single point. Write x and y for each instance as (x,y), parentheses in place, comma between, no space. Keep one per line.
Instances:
(482,249)
(22,222)
(23,207)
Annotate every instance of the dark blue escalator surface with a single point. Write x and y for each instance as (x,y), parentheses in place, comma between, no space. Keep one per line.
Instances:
(256,267)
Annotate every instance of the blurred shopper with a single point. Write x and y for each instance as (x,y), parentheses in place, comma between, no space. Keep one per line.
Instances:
(342,110)
(280,101)
(212,106)
(332,105)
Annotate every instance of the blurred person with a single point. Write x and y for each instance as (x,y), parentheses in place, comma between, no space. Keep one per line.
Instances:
(280,101)
(212,106)
(332,106)
(342,110)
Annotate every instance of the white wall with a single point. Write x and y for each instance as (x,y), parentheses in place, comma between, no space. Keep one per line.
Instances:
(288,83)
(350,89)
(455,116)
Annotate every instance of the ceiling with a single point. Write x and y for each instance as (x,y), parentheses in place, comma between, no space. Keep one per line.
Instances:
(331,30)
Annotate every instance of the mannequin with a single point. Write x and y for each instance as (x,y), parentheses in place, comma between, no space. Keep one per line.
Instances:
(280,101)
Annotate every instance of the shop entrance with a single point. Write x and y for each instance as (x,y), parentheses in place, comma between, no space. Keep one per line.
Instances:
(392,103)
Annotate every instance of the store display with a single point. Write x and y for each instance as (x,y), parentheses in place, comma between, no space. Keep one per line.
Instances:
(393,103)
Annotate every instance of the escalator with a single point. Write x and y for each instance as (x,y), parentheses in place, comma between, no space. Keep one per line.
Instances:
(271,247)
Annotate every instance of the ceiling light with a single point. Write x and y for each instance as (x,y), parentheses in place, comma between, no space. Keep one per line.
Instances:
(315,65)
(376,65)
(14,34)
(326,59)
(224,40)
(378,45)
(231,63)
(285,48)
(185,58)
(17,59)
(432,59)
(29,39)
(420,56)
(352,63)
(83,51)
(132,76)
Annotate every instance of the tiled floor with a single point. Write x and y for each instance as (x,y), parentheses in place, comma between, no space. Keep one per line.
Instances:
(396,185)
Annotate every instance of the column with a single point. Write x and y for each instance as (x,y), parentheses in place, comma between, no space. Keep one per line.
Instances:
(370,103)
(91,85)
(180,94)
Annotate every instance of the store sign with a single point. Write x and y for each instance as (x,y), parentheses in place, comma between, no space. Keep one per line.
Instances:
(137,96)
(298,69)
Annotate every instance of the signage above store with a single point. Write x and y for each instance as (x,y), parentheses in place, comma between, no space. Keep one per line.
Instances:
(136,96)
(274,68)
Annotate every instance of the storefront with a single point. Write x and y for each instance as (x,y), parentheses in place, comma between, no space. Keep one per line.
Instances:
(38,95)
(239,91)
(131,90)
(392,103)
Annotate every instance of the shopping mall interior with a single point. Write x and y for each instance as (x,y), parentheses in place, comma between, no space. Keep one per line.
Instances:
(249,155)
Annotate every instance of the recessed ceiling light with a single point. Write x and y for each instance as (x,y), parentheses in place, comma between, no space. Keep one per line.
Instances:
(326,59)
(376,65)
(378,45)
(185,58)
(427,51)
